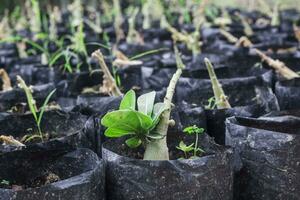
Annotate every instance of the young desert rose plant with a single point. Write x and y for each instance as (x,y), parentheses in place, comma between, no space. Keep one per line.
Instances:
(118,21)
(36,20)
(148,124)
(137,122)
(133,36)
(191,40)
(220,97)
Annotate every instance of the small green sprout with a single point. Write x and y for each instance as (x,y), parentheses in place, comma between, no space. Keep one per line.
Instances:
(212,104)
(191,130)
(37,114)
(185,149)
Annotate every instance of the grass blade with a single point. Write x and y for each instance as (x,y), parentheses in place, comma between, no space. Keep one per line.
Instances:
(44,106)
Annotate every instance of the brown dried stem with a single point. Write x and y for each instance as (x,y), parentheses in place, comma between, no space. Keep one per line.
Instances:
(6,80)
(109,84)
(11,141)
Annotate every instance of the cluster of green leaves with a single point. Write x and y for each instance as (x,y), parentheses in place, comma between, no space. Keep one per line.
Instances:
(37,114)
(186,149)
(138,123)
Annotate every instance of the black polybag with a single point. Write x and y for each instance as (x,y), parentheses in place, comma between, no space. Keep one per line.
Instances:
(288,93)
(216,119)
(205,178)
(81,173)
(267,157)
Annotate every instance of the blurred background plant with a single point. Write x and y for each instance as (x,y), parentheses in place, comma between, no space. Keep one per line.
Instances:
(247,4)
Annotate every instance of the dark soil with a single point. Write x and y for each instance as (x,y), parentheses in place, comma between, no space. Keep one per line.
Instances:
(47,178)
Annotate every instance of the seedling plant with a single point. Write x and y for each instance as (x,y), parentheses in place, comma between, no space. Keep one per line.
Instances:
(194,148)
(37,114)
(148,124)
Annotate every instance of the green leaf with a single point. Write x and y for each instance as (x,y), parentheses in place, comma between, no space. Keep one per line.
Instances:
(53,59)
(30,100)
(200,150)
(148,53)
(158,109)
(44,107)
(145,103)
(133,142)
(127,120)
(36,45)
(128,101)
(183,147)
(115,133)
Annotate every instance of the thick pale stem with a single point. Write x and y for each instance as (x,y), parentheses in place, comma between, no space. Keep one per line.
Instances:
(36,23)
(279,66)
(191,40)
(219,94)
(6,80)
(133,36)
(196,145)
(158,149)
(118,20)
(231,38)
(108,78)
(247,28)
(264,7)
(275,15)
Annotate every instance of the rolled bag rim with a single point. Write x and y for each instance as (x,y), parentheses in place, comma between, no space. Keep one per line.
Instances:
(80,179)
(67,139)
(233,121)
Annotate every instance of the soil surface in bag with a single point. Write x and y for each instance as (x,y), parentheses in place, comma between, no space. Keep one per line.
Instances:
(267,157)
(62,130)
(208,177)
(288,94)
(52,175)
